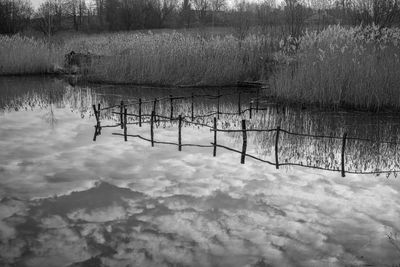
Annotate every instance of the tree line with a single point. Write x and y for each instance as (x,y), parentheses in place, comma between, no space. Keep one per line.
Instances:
(117,15)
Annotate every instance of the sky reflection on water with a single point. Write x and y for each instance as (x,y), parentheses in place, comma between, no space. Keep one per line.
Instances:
(134,205)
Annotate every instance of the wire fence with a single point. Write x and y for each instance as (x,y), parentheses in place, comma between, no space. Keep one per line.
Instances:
(254,106)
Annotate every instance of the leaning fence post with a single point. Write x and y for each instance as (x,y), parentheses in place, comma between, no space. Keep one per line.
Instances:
(180,133)
(192,107)
(244,147)
(172,107)
(125,127)
(278,129)
(215,137)
(98,110)
(140,112)
(239,105)
(121,119)
(250,108)
(343,150)
(218,103)
(152,128)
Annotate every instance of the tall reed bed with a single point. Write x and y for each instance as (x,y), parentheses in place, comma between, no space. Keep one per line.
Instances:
(175,58)
(357,67)
(23,55)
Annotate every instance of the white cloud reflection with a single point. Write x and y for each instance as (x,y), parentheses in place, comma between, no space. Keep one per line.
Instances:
(182,208)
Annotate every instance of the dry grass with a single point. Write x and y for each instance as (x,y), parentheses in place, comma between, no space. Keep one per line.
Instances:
(175,58)
(355,67)
(23,55)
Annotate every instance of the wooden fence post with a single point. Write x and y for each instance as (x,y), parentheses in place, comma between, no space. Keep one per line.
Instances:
(152,128)
(343,150)
(215,137)
(125,126)
(154,108)
(192,107)
(239,105)
(278,129)
(172,107)
(121,118)
(140,112)
(180,133)
(98,110)
(250,108)
(96,114)
(244,147)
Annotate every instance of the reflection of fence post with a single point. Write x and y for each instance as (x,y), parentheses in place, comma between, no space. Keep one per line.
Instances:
(343,150)
(215,137)
(278,129)
(180,133)
(140,112)
(172,107)
(250,108)
(218,103)
(192,107)
(152,128)
(125,127)
(121,119)
(239,105)
(244,133)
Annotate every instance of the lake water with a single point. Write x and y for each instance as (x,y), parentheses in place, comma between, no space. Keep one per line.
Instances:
(69,201)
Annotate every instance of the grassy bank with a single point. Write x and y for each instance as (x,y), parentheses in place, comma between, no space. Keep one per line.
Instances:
(164,58)
(357,68)
(23,55)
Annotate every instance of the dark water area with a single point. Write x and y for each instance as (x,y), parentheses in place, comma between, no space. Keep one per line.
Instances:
(69,201)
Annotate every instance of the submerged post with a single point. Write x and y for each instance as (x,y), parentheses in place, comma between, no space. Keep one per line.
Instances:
(125,127)
(244,147)
(98,110)
(180,133)
(239,105)
(343,150)
(172,107)
(250,108)
(215,137)
(121,118)
(152,128)
(192,107)
(140,112)
(96,114)
(154,106)
(278,129)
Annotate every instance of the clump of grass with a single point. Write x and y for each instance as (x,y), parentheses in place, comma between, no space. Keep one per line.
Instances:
(356,67)
(24,55)
(175,58)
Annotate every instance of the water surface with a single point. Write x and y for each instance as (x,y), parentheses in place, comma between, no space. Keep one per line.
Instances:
(69,200)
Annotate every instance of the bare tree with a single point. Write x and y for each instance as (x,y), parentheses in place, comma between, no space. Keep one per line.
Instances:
(14,15)
(201,7)
(295,17)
